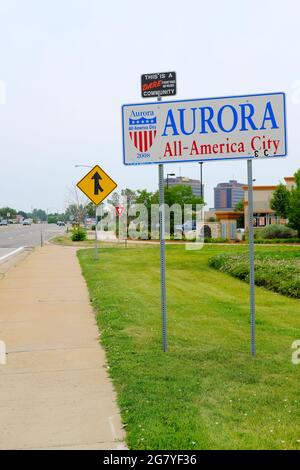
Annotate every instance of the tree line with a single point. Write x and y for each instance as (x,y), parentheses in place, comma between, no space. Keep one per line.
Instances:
(286,204)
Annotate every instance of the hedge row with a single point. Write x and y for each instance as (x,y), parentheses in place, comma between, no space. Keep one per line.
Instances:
(279,273)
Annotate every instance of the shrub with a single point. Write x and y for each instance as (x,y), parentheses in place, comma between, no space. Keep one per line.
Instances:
(276,240)
(78,234)
(276,271)
(275,231)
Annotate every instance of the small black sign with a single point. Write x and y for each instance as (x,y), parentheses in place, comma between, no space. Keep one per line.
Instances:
(158,84)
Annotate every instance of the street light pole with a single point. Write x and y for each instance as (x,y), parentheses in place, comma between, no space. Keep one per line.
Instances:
(201,185)
(169,174)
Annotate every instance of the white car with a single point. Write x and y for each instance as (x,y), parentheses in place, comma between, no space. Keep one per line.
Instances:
(26,222)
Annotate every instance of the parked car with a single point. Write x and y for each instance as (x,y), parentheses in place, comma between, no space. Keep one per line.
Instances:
(60,223)
(26,222)
(4,222)
(187,226)
(190,225)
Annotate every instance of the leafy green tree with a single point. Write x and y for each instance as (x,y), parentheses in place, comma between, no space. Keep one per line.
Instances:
(280,202)
(130,194)
(22,214)
(239,207)
(39,214)
(8,210)
(55,217)
(294,205)
(181,194)
(76,212)
(90,210)
(128,199)
(115,199)
(145,197)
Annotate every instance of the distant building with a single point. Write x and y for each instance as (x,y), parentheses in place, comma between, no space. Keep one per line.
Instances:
(184,181)
(262,213)
(19,218)
(227,195)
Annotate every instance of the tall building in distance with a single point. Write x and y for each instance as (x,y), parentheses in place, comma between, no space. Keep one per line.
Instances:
(227,195)
(184,181)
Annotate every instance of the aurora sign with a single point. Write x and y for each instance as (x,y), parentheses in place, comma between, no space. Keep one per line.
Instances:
(235,127)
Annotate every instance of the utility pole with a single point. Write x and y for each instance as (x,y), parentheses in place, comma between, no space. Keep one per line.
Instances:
(201,180)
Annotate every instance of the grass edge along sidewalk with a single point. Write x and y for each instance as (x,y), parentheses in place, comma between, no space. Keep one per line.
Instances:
(206,392)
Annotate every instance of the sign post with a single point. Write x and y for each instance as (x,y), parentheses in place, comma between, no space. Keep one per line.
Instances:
(119,212)
(162,245)
(251,257)
(96,237)
(162,255)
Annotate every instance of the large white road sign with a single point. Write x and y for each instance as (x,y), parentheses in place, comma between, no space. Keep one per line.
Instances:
(249,126)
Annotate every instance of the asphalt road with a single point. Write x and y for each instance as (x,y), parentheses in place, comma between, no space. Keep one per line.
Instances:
(14,236)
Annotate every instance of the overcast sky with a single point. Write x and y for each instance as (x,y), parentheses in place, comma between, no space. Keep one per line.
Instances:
(69,65)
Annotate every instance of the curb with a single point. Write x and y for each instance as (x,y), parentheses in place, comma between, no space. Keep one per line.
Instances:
(12,253)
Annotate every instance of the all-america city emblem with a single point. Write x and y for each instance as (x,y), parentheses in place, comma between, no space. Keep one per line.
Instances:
(142,129)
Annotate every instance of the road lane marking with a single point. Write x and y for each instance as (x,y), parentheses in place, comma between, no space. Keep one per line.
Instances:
(11,253)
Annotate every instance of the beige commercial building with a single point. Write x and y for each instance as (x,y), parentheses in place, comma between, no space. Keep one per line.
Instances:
(262,212)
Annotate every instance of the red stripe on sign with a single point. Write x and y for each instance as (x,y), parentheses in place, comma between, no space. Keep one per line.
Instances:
(135,139)
(150,138)
(130,133)
(145,141)
(141,141)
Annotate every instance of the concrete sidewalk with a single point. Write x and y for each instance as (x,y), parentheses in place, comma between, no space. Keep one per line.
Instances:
(54,390)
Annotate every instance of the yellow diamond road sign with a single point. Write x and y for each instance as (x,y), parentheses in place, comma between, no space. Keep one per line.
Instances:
(97,185)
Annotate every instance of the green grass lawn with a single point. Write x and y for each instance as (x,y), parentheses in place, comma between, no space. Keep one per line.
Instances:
(206,392)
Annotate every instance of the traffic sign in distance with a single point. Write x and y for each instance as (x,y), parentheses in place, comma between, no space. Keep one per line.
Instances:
(119,210)
(96,185)
(158,84)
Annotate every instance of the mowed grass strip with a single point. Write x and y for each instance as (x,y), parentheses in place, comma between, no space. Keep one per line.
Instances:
(206,392)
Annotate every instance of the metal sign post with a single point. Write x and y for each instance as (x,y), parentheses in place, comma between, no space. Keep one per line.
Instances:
(96,237)
(42,238)
(162,255)
(251,257)
(162,252)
